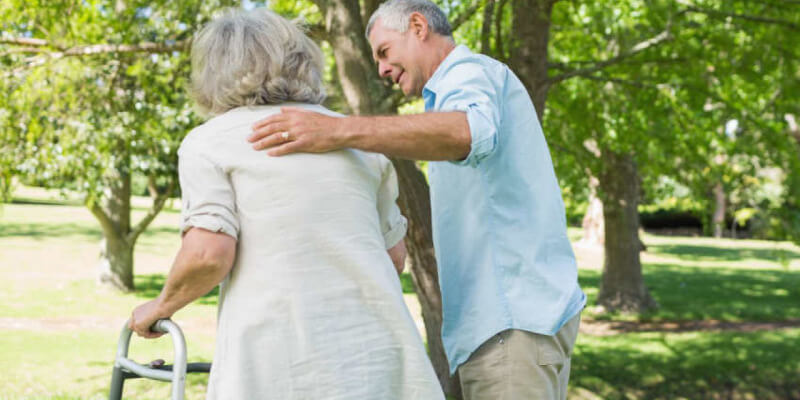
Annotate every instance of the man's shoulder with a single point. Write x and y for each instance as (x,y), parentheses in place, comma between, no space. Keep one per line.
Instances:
(470,68)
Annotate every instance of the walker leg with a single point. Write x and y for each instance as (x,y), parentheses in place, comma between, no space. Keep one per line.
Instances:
(116,384)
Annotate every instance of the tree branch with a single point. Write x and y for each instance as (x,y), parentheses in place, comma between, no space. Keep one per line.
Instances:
(619,81)
(88,50)
(654,41)
(498,31)
(566,66)
(463,17)
(159,199)
(317,32)
(486,28)
(24,41)
(102,217)
(63,51)
(17,50)
(746,17)
(144,47)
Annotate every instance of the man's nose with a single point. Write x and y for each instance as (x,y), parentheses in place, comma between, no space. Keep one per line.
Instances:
(384,69)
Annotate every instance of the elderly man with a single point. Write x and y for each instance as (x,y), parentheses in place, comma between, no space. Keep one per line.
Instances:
(511,300)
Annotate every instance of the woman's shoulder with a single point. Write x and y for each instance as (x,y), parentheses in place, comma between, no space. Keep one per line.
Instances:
(218,130)
(376,159)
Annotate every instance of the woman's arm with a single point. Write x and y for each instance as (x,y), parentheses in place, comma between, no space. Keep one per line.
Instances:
(205,258)
(398,256)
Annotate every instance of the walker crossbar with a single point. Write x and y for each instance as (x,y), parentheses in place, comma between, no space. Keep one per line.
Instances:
(125,368)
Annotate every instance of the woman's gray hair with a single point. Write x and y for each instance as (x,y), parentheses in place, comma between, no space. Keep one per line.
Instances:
(256,57)
(395,15)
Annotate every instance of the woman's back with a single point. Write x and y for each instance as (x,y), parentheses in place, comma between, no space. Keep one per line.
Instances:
(313,307)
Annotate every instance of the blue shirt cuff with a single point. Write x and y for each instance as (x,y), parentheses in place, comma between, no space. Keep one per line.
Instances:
(483,133)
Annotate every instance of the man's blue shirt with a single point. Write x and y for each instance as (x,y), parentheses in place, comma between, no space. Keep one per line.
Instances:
(499,227)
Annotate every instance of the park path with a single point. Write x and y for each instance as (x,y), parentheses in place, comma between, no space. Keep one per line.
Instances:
(609,328)
(588,326)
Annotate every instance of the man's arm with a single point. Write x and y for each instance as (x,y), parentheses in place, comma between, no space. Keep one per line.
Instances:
(434,136)
(205,258)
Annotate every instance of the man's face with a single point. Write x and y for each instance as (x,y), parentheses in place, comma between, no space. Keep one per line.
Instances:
(399,57)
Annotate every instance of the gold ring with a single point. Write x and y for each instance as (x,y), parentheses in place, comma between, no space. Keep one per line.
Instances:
(285,135)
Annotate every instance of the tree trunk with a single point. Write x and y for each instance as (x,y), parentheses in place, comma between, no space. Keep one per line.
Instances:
(366,93)
(115,268)
(486,27)
(6,185)
(622,287)
(415,203)
(531,27)
(357,74)
(718,219)
(367,8)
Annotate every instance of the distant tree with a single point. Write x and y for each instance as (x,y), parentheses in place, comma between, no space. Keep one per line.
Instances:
(95,93)
(624,88)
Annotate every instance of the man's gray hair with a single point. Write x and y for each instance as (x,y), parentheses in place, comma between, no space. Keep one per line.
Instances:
(395,15)
(257,57)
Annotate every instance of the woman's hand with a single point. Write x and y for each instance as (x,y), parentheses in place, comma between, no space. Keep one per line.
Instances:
(144,316)
(205,258)
(398,256)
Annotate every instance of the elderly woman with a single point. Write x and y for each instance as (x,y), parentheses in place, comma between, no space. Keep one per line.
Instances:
(310,305)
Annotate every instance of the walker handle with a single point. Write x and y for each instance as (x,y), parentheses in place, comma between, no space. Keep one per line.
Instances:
(123,364)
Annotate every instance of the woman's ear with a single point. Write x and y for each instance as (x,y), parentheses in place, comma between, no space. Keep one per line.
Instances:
(418,25)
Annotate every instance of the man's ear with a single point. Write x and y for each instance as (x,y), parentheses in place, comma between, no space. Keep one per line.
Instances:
(418,25)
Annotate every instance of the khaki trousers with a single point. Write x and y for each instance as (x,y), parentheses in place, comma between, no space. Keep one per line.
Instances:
(516,364)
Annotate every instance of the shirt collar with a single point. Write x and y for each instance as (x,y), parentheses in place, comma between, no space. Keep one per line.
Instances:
(458,53)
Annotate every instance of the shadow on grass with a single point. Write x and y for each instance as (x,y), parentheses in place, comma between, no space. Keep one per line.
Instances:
(762,365)
(40,231)
(46,202)
(699,252)
(689,293)
(149,286)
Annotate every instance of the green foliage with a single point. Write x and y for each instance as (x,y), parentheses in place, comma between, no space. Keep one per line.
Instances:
(575,206)
(77,122)
(661,80)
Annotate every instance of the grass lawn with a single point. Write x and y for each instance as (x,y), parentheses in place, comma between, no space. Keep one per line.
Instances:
(58,330)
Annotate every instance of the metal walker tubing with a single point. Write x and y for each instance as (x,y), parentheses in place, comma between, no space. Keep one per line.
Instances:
(125,368)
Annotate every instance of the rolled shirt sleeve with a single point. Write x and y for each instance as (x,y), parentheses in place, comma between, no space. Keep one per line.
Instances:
(393,223)
(471,91)
(207,194)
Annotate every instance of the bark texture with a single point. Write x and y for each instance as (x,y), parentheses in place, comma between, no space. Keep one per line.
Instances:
(367,93)
(113,211)
(531,27)
(415,203)
(622,287)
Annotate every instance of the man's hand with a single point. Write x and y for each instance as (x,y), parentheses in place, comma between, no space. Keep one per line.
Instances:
(296,130)
(144,316)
